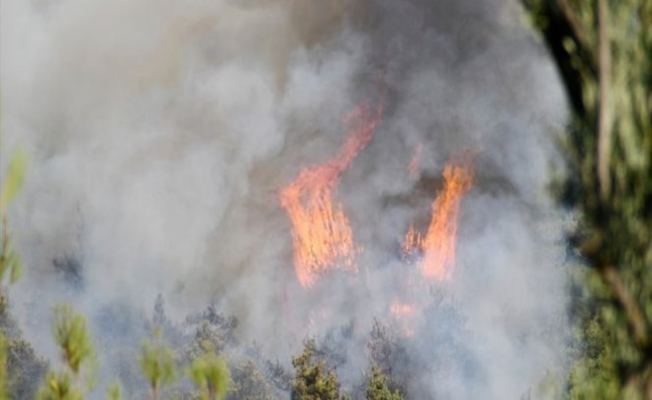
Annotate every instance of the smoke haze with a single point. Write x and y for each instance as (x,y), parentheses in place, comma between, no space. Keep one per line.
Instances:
(160,134)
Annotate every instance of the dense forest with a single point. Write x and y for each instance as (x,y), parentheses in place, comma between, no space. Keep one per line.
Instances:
(429,344)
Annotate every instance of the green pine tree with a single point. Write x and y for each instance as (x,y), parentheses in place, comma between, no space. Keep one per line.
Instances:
(157,365)
(377,388)
(211,374)
(312,380)
(603,50)
(10,262)
(74,341)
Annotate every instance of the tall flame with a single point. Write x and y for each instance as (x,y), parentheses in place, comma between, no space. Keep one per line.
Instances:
(439,244)
(321,233)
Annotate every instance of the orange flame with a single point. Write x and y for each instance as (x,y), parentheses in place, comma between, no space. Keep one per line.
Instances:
(404,313)
(400,309)
(321,233)
(412,242)
(438,246)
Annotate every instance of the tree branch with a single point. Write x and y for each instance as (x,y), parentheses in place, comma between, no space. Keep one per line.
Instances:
(632,310)
(579,35)
(604,111)
(563,23)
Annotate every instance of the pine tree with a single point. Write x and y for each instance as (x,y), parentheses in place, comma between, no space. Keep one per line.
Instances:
(9,260)
(377,388)
(211,375)
(312,380)
(603,50)
(157,365)
(74,341)
(20,368)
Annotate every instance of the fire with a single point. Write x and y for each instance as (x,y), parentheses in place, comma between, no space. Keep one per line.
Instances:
(413,168)
(400,309)
(321,233)
(404,314)
(438,246)
(412,242)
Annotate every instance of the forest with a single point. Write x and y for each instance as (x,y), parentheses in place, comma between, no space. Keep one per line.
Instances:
(179,222)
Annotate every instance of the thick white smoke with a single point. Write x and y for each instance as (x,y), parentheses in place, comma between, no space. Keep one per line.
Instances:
(161,131)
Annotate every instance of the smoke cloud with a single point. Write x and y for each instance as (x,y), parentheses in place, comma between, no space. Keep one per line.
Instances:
(160,134)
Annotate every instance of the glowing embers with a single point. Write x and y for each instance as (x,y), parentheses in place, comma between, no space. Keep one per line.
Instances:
(437,248)
(321,233)
(404,314)
(413,168)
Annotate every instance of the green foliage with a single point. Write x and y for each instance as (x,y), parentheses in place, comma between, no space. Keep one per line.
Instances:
(312,381)
(23,368)
(279,376)
(157,365)
(211,375)
(9,260)
(72,337)
(4,390)
(603,50)
(248,383)
(8,325)
(14,179)
(60,387)
(207,339)
(377,388)
(213,331)
(19,366)
(19,369)
(592,376)
(390,356)
(161,325)
(74,342)
(114,392)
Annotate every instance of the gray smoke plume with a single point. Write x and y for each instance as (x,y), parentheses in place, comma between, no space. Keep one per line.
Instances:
(160,133)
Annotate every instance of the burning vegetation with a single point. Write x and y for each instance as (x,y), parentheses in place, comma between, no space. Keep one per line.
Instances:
(438,246)
(176,184)
(322,236)
(321,233)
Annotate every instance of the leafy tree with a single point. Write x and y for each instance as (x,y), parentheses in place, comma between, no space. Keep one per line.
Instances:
(603,50)
(157,365)
(377,388)
(211,375)
(312,380)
